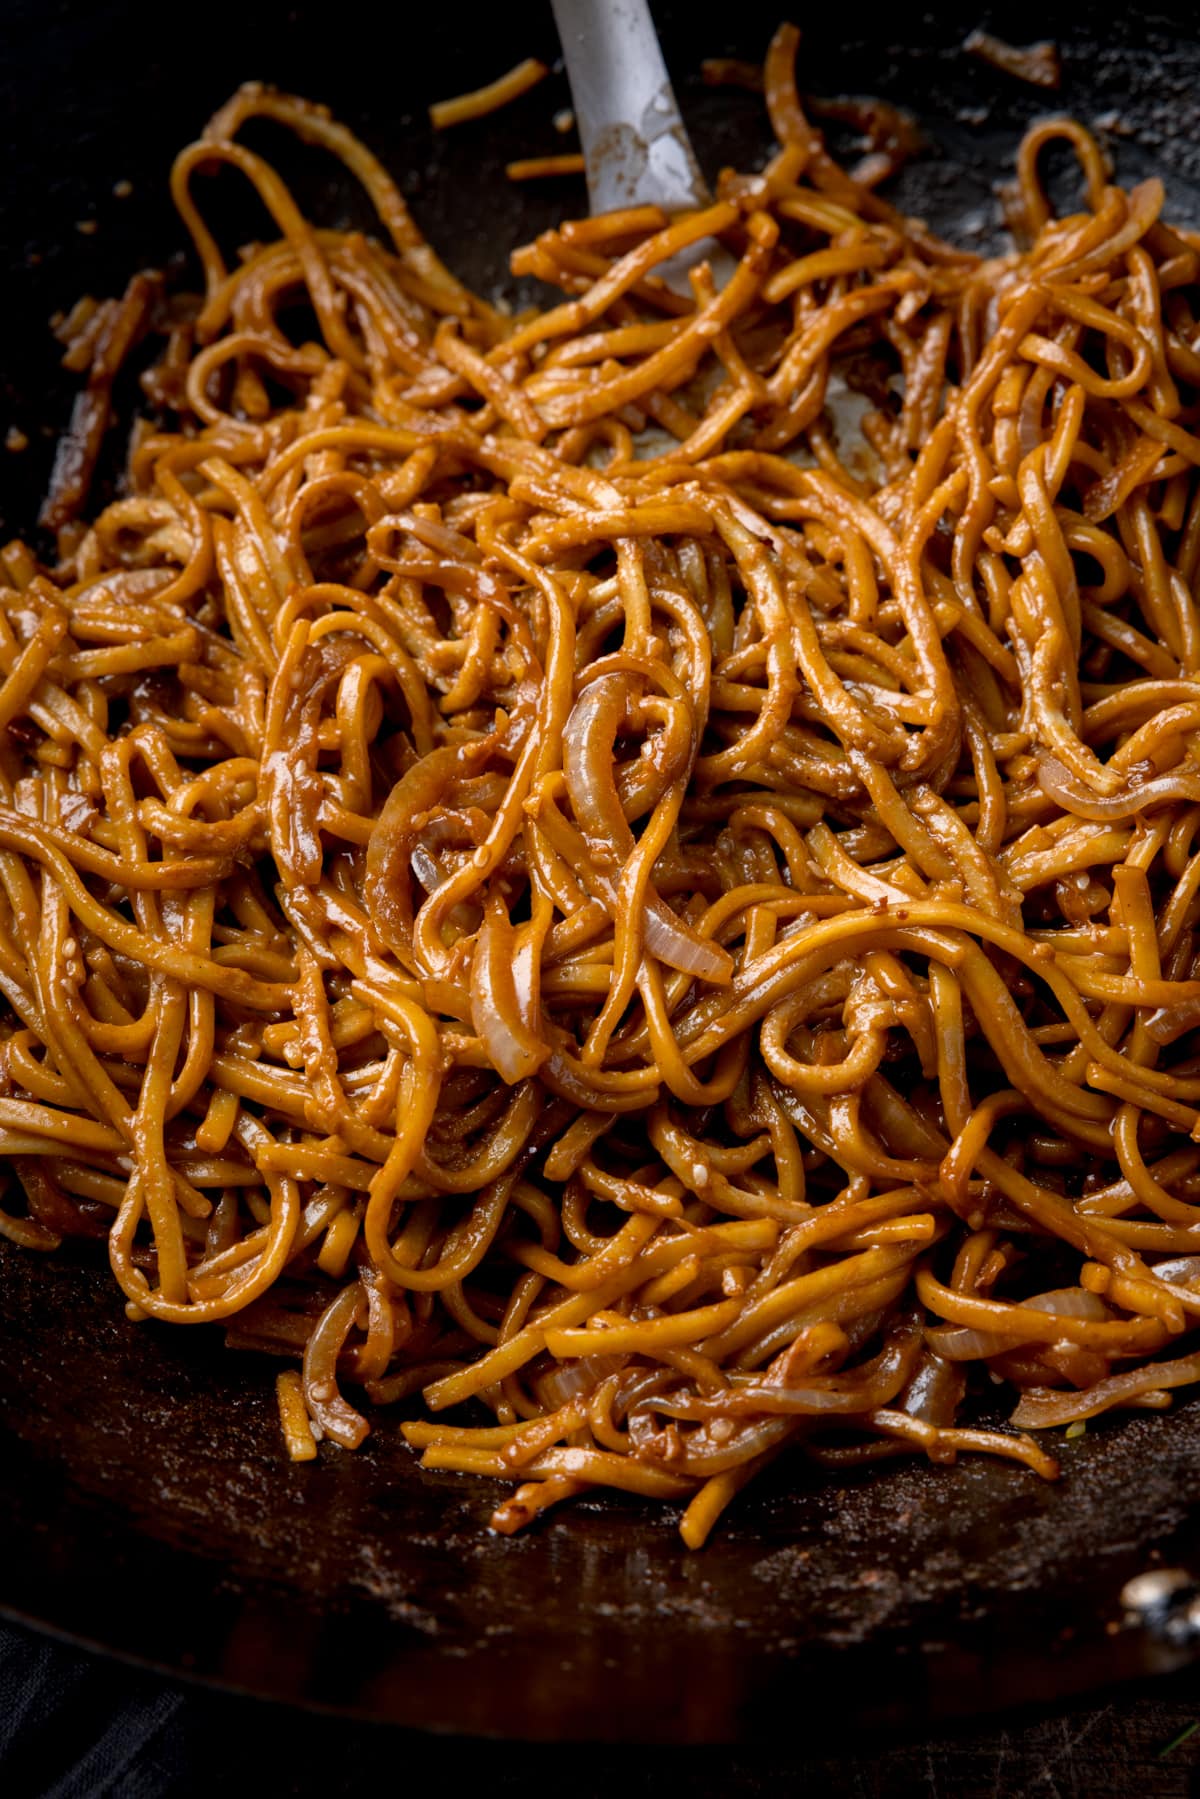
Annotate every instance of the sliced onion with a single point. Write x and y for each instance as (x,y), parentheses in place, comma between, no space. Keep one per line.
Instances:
(1167,1023)
(671,941)
(959,1344)
(956,1343)
(567,1380)
(1184,1271)
(1070,1302)
(425,868)
(588,745)
(589,742)
(514,1049)
(1080,801)
(388,886)
(935,1390)
(335,1415)
(861,1389)
(435,536)
(1042,1408)
(704,1458)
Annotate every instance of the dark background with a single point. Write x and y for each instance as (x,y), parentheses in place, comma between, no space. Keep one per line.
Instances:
(76,1727)
(91,96)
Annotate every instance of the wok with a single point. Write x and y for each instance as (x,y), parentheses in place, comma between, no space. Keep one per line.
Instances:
(145,1504)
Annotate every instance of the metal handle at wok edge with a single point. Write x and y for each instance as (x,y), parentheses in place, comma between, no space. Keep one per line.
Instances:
(1164,1602)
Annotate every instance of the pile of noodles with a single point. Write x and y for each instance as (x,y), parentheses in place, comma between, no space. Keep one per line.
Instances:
(544,879)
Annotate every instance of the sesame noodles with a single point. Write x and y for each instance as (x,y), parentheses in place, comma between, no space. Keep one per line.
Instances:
(546,878)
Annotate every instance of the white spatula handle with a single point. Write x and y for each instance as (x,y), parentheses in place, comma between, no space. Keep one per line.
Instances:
(633,137)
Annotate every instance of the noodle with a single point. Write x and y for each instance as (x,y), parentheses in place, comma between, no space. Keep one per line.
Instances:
(659,956)
(483,100)
(537,168)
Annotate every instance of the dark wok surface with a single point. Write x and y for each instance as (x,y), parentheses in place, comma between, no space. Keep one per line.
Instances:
(145,1482)
(144,1500)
